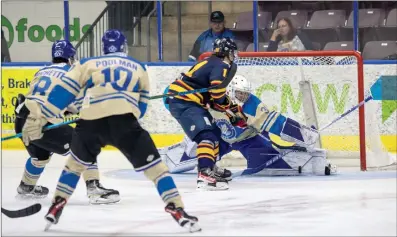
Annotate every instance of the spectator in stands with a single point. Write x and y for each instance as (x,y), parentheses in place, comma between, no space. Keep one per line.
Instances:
(205,41)
(286,38)
(5,54)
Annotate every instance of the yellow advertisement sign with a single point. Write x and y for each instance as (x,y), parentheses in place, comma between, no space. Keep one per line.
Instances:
(16,80)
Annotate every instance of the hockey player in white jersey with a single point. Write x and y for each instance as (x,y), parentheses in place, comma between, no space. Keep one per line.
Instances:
(57,140)
(113,90)
(251,138)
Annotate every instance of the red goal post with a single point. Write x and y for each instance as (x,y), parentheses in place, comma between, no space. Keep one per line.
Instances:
(258,57)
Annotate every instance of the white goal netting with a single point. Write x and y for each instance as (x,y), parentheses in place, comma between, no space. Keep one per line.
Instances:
(315,88)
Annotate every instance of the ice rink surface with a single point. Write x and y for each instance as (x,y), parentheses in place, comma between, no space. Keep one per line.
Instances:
(349,203)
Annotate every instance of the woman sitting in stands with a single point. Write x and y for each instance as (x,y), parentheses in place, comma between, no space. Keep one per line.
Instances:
(286,39)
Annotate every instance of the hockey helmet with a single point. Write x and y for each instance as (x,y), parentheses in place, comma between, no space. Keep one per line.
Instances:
(113,41)
(63,49)
(225,47)
(239,89)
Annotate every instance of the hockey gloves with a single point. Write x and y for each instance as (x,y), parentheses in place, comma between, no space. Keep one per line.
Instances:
(33,127)
(236,116)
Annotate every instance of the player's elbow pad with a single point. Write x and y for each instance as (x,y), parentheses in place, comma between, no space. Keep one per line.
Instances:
(142,108)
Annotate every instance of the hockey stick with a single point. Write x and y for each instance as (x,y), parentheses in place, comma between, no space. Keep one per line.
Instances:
(385,88)
(45,129)
(346,113)
(224,84)
(28,211)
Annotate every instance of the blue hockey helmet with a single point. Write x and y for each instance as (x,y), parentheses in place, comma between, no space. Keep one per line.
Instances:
(113,41)
(63,49)
(225,47)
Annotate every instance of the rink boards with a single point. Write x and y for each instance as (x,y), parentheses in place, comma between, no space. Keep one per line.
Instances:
(334,90)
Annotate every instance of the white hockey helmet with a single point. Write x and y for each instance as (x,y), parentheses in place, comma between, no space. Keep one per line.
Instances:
(239,89)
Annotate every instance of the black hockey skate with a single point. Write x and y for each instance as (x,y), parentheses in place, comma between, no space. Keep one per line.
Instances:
(31,191)
(223,173)
(55,212)
(208,180)
(97,194)
(182,218)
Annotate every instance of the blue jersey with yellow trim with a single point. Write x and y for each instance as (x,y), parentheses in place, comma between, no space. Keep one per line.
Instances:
(209,72)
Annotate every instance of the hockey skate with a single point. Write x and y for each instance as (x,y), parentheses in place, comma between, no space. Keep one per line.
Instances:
(208,180)
(223,173)
(31,191)
(182,218)
(55,212)
(97,194)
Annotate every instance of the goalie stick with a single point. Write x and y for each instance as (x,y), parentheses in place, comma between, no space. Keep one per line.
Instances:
(28,211)
(384,88)
(224,84)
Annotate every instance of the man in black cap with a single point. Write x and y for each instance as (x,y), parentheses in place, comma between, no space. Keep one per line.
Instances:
(205,41)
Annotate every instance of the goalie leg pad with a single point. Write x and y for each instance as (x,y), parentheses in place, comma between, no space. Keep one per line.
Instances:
(260,155)
(177,159)
(311,162)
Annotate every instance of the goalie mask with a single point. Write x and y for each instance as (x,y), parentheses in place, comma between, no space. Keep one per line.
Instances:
(239,89)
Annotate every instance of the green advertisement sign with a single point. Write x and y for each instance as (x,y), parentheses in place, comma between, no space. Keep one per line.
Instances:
(25,32)
(322,97)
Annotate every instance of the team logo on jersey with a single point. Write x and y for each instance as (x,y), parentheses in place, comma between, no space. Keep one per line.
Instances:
(228,131)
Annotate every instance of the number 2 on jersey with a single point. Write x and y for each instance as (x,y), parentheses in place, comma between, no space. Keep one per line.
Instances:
(116,77)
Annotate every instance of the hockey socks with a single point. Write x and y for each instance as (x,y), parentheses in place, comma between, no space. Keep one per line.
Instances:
(207,151)
(91,173)
(164,183)
(70,176)
(33,170)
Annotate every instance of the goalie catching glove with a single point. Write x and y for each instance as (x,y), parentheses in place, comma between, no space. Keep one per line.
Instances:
(234,113)
(237,116)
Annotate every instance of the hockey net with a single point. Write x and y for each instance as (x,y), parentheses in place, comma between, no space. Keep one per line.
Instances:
(315,87)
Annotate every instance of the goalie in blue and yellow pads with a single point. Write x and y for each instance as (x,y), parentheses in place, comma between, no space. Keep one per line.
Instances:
(251,137)
(191,113)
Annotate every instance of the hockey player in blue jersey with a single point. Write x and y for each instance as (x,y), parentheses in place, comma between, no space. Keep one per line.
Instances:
(252,140)
(56,140)
(114,91)
(191,113)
